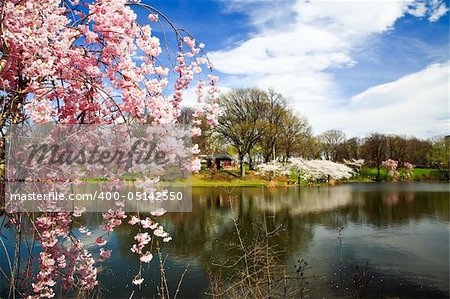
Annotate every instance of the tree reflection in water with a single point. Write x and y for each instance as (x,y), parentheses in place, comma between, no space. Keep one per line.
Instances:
(401,229)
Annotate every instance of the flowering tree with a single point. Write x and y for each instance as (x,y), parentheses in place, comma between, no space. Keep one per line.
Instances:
(319,169)
(271,169)
(305,170)
(76,62)
(356,163)
(409,168)
(391,167)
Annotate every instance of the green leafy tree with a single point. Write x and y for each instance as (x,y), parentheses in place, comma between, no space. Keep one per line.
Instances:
(241,123)
(374,150)
(440,155)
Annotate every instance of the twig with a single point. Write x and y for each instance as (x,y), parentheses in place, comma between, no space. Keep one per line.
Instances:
(181,280)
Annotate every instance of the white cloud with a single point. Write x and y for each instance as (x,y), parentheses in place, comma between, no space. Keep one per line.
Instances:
(416,104)
(190,98)
(299,42)
(437,9)
(419,10)
(351,18)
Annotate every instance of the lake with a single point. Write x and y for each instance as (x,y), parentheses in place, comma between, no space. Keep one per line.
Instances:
(386,240)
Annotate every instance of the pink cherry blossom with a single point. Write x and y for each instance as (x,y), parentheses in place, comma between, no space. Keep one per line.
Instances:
(78,212)
(409,167)
(138,281)
(153,17)
(84,230)
(158,212)
(75,62)
(147,257)
(196,165)
(104,254)
(148,223)
(159,232)
(142,238)
(134,220)
(100,241)
(391,166)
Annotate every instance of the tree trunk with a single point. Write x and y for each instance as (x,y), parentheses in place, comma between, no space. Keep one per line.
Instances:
(378,172)
(273,152)
(241,167)
(250,162)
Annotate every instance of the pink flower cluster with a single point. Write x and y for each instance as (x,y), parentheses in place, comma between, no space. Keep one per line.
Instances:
(144,238)
(408,166)
(391,166)
(408,170)
(93,63)
(87,271)
(113,218)
(73,265)
(81,64)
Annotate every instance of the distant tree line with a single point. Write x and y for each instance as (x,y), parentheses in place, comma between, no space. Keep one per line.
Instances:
(376,148)
(260,126)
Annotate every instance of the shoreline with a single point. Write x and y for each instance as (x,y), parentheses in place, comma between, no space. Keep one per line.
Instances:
(229,179)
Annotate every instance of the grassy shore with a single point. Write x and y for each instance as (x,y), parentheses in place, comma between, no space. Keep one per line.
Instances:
(419,174)
(231,178)
(226,179)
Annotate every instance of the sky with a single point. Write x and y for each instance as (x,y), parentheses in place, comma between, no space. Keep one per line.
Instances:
(357,66)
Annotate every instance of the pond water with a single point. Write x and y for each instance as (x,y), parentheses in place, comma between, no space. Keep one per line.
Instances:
(397,233)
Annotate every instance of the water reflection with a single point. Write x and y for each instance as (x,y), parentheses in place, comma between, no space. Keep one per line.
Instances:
(303,201)
(400,230)
(386,225)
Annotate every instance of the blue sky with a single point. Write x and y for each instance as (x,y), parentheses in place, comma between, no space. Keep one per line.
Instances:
(360,66)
